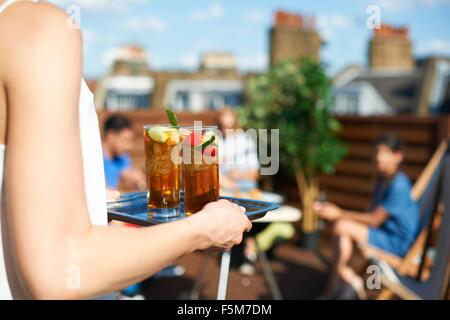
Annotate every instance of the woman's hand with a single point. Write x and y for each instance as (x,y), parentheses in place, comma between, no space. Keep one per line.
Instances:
(112,194)
(221,224)
(327,211)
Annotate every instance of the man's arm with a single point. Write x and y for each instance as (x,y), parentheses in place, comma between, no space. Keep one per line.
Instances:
(373,218)
(132,179)
(331,212)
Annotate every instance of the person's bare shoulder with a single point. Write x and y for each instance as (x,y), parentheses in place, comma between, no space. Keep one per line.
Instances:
(29,30)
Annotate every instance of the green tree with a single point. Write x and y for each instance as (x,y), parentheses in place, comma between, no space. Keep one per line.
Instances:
(295,97)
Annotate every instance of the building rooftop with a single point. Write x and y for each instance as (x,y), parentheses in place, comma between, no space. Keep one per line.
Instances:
(290,20)
(400,90)
(424,89)
(218,60)
(386,30)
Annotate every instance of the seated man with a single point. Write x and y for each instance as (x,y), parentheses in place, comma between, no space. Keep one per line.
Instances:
(390,225)
(118,141)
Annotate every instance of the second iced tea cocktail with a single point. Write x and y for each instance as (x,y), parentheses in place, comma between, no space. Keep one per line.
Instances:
(200,168)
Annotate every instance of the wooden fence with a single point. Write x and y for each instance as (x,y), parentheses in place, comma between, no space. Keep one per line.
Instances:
(353,183)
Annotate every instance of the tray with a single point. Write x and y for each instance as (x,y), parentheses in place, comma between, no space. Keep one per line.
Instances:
(132,208)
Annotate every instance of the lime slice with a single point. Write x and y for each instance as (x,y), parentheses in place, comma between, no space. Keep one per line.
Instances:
(207,136)
(208,142)
(158,134)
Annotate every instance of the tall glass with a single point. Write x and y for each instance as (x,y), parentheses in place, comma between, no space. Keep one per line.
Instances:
(163,173)
(200,167)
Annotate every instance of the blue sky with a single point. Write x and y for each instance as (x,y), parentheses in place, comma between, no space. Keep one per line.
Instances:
(176,32)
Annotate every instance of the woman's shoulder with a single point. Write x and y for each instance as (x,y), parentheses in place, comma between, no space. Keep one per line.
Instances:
(27,21)
(35,31)
(27,13)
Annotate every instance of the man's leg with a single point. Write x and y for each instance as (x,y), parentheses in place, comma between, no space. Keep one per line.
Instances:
(344,233)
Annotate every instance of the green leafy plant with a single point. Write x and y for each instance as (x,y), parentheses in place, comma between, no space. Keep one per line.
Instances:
(294,97)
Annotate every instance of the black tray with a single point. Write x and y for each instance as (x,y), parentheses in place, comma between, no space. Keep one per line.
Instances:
(132,208)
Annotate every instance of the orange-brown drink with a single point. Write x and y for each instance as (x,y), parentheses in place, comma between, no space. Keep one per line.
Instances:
(200,168)
(163,173)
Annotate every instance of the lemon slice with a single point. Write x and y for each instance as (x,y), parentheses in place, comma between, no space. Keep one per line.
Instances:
(174,136)
(158,134)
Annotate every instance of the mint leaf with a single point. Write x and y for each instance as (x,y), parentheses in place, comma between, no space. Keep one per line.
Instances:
(172,117)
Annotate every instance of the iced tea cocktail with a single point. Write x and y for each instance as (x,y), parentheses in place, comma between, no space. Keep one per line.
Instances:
(163,171)
(200,167)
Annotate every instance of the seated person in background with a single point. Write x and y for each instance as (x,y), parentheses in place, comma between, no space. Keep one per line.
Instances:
(118,139)
(390,225)
(239,173)
(239,165)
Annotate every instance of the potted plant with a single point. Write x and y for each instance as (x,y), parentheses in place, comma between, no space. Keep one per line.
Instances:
(295,97)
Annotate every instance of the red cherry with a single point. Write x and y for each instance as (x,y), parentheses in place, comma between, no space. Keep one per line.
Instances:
(210,151)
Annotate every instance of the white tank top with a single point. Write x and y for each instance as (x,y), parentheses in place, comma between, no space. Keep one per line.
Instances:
(94,184)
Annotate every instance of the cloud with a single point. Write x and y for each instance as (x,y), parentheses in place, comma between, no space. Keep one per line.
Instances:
(154,61)
(434,46)
(189,60)
(207,45)
(150,23)
(328,24)
(90,37)
(255,62)
(93,39)
(255,16)
(214,11)
(110,55)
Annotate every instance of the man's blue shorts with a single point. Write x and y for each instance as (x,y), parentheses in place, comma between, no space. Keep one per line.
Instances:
(388,242)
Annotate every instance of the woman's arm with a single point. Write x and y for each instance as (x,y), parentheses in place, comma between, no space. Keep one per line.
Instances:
(54,241)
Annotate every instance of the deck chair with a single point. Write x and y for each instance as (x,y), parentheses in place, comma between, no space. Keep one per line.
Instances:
(437,285)
(426,192)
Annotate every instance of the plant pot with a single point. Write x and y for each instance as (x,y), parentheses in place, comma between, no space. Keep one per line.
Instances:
(310,240)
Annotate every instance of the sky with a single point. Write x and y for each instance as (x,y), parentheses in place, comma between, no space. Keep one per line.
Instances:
(176,32)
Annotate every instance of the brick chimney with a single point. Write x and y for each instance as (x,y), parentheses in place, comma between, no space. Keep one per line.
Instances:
(391,49)
(293,36)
